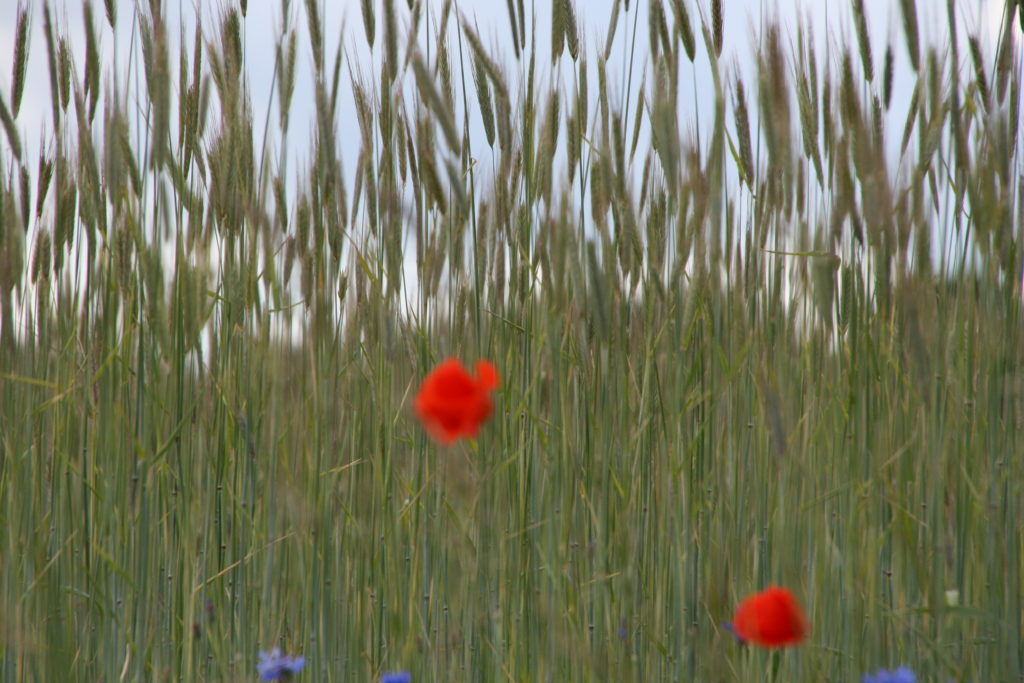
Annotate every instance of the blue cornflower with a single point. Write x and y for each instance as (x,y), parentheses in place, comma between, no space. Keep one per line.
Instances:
(900,675)
(273,666)
(396,677)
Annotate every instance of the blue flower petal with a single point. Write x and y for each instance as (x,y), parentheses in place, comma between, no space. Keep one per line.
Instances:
(900,675)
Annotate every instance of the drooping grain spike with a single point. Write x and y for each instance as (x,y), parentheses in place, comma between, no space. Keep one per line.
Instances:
(908,127)
(10,129)
(850,102)
(557,30)
(155,62)
(613,25)
(92,60)
(25,183)
(64,70)
(513,26)
(887,77)
(808,122)
(369,20)
(41,257)
(286,84)
(51,54)
(1004,61)
(571,29)
(522,25)
(979,71)
(390,40)
(684,29)
(717,27)
(483,94)
(435,103)
(638,118)
(655,27)
(316,35)
(954,33)
(860,17)
(909,11)
(20,59)
(743,133)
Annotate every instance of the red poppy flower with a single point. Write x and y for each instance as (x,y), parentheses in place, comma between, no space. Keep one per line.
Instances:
(771,618)
(452,403)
